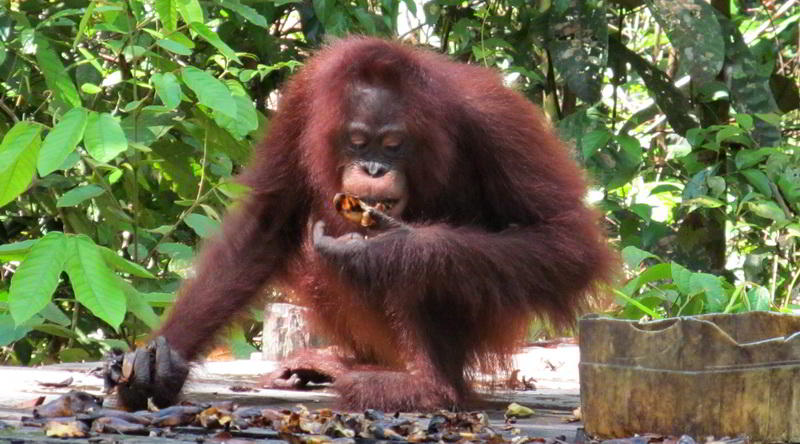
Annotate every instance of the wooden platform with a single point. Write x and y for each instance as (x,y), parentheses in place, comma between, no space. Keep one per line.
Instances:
(555,371)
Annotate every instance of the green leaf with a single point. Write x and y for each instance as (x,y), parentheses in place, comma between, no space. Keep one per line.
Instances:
(159,299)
(759,298)
(77,195)
(238,343)
(37,277)
(745,121)
(95,285)
(210,91)
(245,11)
(767,209)
(91,88)
(18,154)
(681,277)
(167,11)
(634,256)
(55,330)
(758,180)
(593,141)
(167,88)
(54,314)
(173,46)
(10,331)
(246,121)
(62,140)
(56,76)
(82,25)
(104,138)
(176,250)
(712,287)
(73,355)
(747,157)
(704,201)
(121,264)
(138,305)
(190,10)
(693,29)
(204,226)
(212,37)
(16,251)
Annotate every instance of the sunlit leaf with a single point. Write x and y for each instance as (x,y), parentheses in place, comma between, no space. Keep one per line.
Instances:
(758,180)
(245,11)
(18,153)
(204,226)
(210,91)
(95,285)
(767,209)
(167,88)
(37,277)
(77,195)
(55,75)
(62,140)
(121,264)
(167,11)
(212,37)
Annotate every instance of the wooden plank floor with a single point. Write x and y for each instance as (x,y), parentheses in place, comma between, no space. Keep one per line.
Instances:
(555,371)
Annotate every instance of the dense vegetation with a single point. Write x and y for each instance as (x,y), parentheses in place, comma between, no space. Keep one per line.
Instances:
(123,122)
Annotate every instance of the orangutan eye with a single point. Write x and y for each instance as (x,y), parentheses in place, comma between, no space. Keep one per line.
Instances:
(358,139)
(392,141)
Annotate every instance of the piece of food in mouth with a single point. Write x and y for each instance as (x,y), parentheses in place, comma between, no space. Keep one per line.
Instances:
(357,210)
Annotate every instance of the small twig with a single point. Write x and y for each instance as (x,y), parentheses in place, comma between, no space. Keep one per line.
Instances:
(8,111)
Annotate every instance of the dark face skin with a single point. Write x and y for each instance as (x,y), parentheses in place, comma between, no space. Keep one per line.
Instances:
(376,147)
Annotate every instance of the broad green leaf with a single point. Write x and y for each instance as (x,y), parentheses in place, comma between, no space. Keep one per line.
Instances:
(746,158)
(749,85)
(84,21)
(245,11)
(16,251)
(745,121)
(55,330)
(212,37)
(789,184)
(91,88)
(121,264)
(159,299)
(10,331)
(577,40)
(767,209)
(104,138)
(204,226)
(210,91)
(77,195)
(681,277)
(593,141)
(167,88)
(634,256)
(73,355)
(167,11)
(176,250)
(246,121)
(37,277)
(138,305)
(759,298)
(238,343)
(693,29)
(18,154)
(62,140)
(190,10)
(54,314)
(712,287)
(704,201)
(55,75)
(95,285)
(173,46)
(657,272)
(758,180)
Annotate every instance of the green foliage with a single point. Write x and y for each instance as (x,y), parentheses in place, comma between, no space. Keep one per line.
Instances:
(123,121)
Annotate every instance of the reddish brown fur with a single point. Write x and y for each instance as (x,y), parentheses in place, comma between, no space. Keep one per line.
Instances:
(501,234)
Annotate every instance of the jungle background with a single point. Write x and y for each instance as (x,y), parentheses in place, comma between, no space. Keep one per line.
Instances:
(123,122)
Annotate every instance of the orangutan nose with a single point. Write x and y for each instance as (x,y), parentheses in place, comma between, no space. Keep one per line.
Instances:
(374,169)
